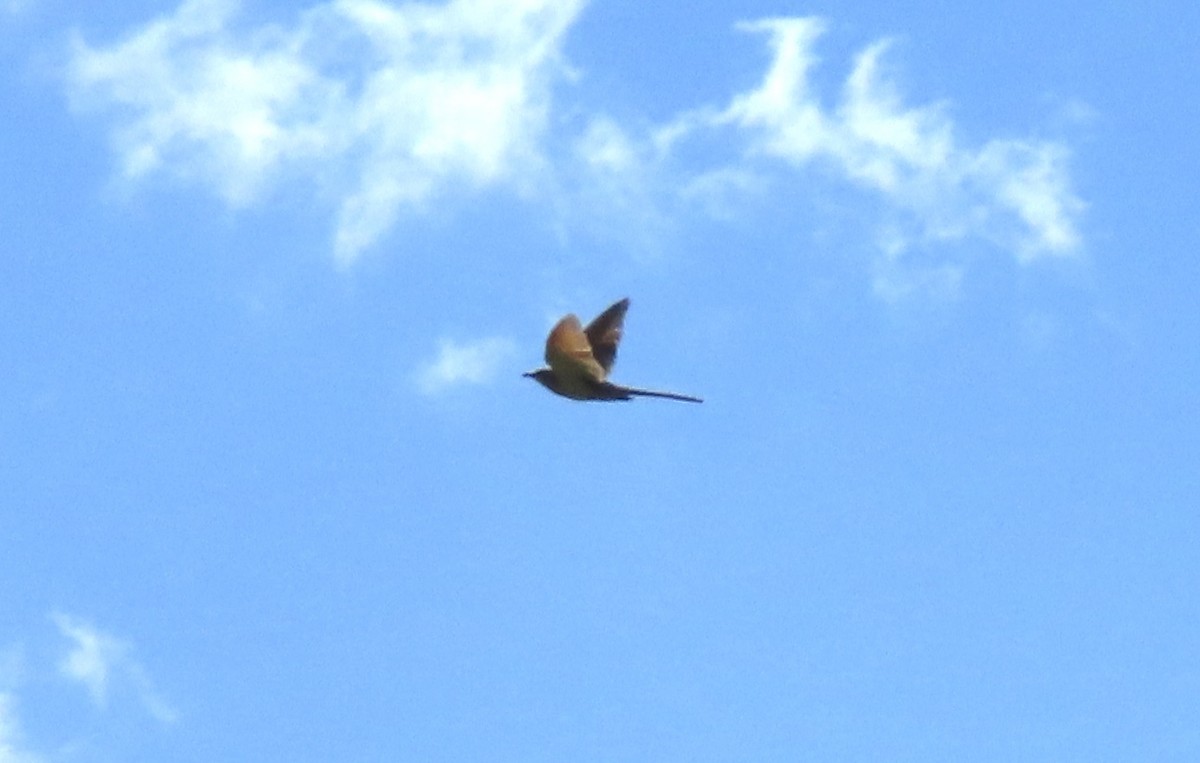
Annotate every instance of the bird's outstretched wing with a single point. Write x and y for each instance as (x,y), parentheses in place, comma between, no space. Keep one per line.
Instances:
(569,354)
(604,334)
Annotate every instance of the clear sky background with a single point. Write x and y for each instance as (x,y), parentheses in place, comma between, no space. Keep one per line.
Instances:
(273,488)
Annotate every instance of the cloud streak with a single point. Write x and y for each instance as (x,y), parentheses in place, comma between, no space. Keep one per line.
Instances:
(91,659)
(98,661)
(12,744)
(390,107)
(1015,193)
(908,154)
(457,364)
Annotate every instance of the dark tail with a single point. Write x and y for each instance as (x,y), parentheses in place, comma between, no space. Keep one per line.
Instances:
(667,395)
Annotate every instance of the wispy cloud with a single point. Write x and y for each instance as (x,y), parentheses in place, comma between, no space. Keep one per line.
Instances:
(390,107)
(12,743)
(464,363)
(98,660)
(386,105)
(1016,193)
(908,154)
(92,658)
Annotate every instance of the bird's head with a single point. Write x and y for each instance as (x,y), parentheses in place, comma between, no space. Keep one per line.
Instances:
(540,375)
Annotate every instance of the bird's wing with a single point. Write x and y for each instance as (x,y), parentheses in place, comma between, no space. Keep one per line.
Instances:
(604,334)
(569,354)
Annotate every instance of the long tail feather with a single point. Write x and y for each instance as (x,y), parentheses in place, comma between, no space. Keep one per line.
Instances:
(667,395)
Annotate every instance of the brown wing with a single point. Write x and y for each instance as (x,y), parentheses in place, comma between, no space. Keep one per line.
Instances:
(604,334)
(569,353)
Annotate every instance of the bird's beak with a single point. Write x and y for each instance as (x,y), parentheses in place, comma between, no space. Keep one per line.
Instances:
(528,374)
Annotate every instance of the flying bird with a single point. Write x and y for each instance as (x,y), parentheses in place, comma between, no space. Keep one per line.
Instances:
(578,359)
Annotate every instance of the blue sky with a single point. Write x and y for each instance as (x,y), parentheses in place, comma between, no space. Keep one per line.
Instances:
(274,488)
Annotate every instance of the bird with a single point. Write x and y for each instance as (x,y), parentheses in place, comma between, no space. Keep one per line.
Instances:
(578,359)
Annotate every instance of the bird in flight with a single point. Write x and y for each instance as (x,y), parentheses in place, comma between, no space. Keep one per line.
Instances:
(578,360)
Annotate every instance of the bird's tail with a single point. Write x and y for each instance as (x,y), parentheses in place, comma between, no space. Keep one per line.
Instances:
(654,393)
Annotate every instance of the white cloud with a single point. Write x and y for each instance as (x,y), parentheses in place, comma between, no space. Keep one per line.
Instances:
(390,108)
(469,363)
(1014,192)
(12,749)
(151,700)
(97,660)
(407,100)
(895,279)
(930,188)
(613,185)
(92,659)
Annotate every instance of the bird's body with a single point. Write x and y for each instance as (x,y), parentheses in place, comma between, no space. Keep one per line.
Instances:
(578,359)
